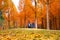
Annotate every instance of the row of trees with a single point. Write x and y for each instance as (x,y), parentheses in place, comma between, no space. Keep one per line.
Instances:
(44,13)
(42,7)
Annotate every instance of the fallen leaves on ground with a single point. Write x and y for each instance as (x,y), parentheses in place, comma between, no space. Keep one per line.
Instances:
(32,34)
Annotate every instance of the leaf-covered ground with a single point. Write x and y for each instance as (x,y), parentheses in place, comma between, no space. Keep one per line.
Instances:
(29,34)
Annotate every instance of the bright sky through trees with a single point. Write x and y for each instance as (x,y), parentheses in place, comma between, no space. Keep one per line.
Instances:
(33,3)
(16,3)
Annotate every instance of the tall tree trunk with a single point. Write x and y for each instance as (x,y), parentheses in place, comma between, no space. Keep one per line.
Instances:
(25,21)
(36,14)
(47,14)
(24,16)
(8,17)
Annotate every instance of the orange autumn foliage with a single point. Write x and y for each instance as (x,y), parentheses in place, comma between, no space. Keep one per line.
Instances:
(28,11)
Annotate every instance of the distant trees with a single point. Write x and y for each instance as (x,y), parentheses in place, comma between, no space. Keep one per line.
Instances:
(31,10)
(37,9)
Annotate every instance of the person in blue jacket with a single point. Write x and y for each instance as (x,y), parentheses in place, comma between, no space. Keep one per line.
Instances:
(33,25)
(29,25)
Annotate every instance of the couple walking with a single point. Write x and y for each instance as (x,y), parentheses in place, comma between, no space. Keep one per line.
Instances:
(31,25)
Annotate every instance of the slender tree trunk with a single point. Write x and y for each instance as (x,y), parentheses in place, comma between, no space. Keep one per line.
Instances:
(36,14)
(15,24)
(42,23)
(47,14)
(24,17)
(25,21)
(9,18)
(58,20)
(20,22)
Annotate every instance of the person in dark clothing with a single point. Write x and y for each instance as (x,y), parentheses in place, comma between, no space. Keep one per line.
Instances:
(29,25)
(33,25)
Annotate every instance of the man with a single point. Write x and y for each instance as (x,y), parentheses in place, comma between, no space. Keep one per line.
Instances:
(29,25)
(33,25)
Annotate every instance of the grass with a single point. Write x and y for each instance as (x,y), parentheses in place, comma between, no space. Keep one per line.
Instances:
(29,34)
